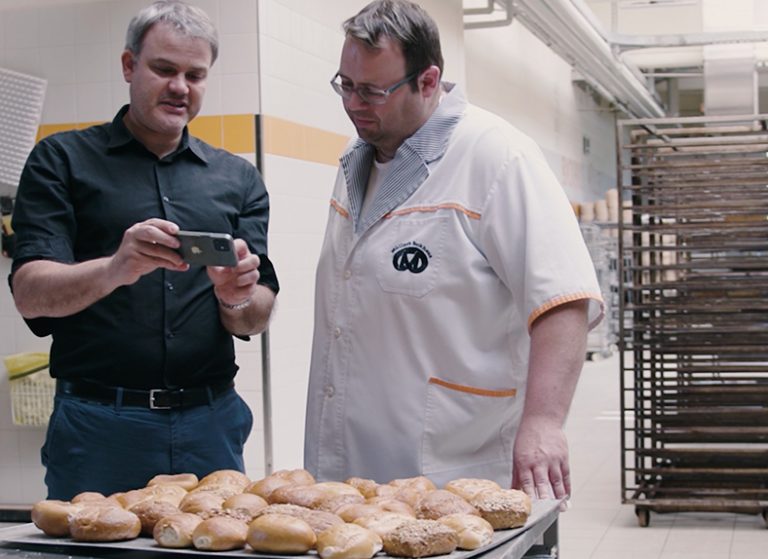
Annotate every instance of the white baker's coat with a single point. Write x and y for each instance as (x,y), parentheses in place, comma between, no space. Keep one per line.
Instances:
(420,350)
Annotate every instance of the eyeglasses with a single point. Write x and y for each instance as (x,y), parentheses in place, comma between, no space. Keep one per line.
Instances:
(371,95)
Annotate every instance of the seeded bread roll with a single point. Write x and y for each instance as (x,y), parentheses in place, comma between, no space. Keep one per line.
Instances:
(280,533)
(420,538)
(246,505)
(473,531)
(319,520)
(382,523)
(440,503)
(175,531)
(503,508)
(467,488)
(220,533)
(149,512)
(185,481)
(103,524)
(52,516)
(348,541)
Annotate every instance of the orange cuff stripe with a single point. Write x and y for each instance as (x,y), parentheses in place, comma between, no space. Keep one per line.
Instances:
(473,390)
(557,301)
(428,209)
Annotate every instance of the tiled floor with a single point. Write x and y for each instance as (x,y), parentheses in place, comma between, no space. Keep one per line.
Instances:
(598,526)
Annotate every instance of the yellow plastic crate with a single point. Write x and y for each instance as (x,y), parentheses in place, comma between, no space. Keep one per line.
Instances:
(32,388)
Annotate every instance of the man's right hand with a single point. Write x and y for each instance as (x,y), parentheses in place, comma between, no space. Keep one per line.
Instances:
(145,247)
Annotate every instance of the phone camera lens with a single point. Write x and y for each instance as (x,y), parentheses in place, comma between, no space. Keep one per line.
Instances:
(221,245)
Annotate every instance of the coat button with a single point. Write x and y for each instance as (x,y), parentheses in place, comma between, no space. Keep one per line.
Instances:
(347,274)
(329,391)
(337,332)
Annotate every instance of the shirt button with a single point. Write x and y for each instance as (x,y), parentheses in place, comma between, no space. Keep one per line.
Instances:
(336,332)
(170,335)
(348,274)
(329,391)
(170,286)
(166,199)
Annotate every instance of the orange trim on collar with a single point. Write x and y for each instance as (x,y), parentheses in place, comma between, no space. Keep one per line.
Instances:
(338,207)
(472,390)
(428,209)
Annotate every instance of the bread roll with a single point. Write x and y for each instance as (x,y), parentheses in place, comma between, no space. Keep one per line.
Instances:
(298,476)
(52,516)
(265,487)
(440,503)
(103,524)
(366,487)
(280,533)
(503,508)
(467,488)
(220,533)
(391,504)
(317,519)
(348,541)
(223,490)
(302,495)
(204,503)
(332,503)
(226,477)
(150,511)
(185,481)
(349,513)
(161,492)
(175,531)
(473,531)
(420,483)
(245,505)
(420,538)
(382,523)
(88,496)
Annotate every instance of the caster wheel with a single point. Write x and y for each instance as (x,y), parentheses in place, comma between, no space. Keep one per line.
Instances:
(643,517)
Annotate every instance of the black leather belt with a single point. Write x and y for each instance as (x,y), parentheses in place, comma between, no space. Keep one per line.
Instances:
(154,399)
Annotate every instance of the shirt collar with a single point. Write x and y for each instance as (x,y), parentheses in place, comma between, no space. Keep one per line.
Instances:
(120,136)
(410,166)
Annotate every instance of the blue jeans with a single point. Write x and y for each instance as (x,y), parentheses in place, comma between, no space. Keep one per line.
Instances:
(107,448)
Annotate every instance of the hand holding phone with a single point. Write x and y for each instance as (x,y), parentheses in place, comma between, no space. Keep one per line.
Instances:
(201,248)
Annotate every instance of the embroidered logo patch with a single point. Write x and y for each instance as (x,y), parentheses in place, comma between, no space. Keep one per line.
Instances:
(411,257)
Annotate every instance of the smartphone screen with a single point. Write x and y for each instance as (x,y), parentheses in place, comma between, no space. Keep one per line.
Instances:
(200,248)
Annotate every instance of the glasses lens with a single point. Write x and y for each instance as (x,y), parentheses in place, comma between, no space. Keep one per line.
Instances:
(372,96)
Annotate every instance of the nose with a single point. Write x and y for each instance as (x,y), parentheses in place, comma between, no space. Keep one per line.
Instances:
(178,84)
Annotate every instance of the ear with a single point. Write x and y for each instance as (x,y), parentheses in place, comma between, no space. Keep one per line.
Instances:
(429,81)
(127,62)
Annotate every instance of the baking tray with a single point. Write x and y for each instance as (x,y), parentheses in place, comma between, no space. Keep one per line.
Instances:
(28,536)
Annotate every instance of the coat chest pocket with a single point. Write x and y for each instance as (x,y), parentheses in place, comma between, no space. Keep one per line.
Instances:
(465,426)
(410,259)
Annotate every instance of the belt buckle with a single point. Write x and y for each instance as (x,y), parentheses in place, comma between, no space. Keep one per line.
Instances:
(152,394)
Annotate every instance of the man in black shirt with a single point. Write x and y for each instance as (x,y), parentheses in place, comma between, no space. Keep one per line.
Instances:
(143,349)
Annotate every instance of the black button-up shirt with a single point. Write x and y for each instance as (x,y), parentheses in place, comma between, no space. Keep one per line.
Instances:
(79,192)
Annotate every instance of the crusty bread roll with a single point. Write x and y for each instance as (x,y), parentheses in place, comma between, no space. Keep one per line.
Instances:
(88,496)
(467,488)
(226,477)
(332,503)
(150,511)
(298,476)
(280,533)
(220,533)
(266,486)
(245,505)
(350,512)
(103,524)
(440,502)
(223,490)
(52,516)
(391,504)
(411,495)
(319,520)
(186,481)
(348,541)
(203,502)
(161,492)
(302,495)
(382,523)
(366,487)
(420,538)
(473,531)
(503,508)
(175,531)
(420,483)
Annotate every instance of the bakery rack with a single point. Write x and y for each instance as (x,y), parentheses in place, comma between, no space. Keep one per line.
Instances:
(693,298)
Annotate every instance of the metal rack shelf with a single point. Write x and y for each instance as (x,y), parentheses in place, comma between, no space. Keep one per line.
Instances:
(693,326)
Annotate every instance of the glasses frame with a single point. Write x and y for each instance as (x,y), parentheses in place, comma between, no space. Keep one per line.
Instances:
(361,90)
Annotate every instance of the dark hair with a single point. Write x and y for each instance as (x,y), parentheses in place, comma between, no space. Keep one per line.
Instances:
(187,20)
(405,22)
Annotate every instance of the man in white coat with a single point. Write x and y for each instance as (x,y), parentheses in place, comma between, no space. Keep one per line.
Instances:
(454,290)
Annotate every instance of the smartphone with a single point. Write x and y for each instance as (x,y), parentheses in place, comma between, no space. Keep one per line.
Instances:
(200,248)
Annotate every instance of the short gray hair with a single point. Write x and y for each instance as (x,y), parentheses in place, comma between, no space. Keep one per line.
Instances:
(187,20)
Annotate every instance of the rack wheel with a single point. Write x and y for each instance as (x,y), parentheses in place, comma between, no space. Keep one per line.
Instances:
(643,517)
